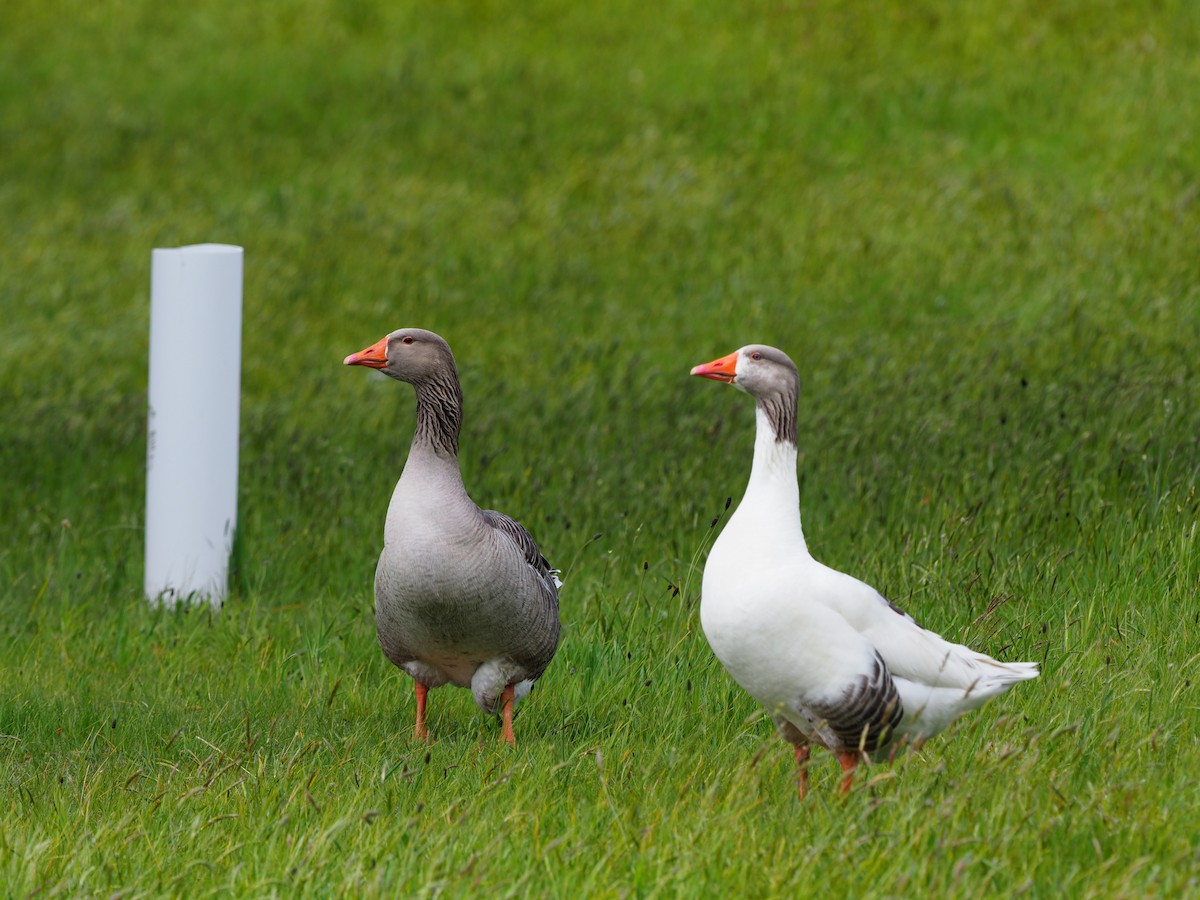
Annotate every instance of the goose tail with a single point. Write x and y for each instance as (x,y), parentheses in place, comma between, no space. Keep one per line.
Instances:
(998,677)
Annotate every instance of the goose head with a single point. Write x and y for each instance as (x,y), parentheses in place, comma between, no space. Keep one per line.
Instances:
(757,369)
(408,354)
(766,374)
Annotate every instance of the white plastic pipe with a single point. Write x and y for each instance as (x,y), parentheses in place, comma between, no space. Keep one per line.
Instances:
(192,440)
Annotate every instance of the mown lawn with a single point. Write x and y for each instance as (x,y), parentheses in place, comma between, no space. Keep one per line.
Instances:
(974,229)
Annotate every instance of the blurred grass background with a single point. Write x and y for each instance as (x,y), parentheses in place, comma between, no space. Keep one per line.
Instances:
(976,231)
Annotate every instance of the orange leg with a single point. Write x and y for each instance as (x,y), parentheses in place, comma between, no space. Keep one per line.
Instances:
(802,769)
(420,733)
(849,760)
(506,701)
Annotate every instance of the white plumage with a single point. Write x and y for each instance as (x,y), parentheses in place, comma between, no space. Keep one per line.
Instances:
(832,661)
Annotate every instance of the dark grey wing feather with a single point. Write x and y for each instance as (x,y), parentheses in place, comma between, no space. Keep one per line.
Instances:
(895,608)
(524,542)
(866,716)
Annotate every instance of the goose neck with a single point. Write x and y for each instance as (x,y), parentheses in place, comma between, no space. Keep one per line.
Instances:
(439,416)
(773,491)
(774,465)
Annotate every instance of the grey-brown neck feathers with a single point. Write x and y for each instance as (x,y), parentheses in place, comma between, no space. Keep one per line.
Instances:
(439,413)
(780,409)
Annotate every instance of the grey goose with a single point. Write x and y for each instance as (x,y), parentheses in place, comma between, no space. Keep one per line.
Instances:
(463,595)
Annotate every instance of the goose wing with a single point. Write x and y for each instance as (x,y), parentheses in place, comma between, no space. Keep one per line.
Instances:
(524,543)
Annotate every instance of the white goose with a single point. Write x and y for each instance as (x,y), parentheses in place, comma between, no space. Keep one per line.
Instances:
(832,661)
(463,596)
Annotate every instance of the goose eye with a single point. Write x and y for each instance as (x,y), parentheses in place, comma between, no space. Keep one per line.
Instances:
(756,355)
(407,339)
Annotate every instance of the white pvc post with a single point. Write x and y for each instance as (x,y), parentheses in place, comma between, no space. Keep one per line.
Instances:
(192,439)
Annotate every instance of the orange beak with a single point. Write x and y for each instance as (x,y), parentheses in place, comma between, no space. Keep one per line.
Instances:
(374,357)
(723,369)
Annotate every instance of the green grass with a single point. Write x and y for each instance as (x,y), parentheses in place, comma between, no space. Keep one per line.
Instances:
(974,229)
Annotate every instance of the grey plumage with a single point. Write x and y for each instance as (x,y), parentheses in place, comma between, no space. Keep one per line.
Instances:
(529,549)
(864,718)
(463,595)
(769,375)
